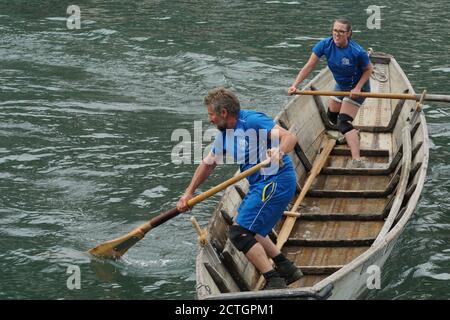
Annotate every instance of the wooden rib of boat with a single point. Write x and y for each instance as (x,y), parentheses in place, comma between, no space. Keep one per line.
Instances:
(351,218)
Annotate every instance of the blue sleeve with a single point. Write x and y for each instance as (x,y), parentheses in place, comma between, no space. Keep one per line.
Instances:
(364,59)
(259,120)
(318,48)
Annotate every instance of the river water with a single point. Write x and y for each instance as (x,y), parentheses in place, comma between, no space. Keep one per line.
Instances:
(87,116)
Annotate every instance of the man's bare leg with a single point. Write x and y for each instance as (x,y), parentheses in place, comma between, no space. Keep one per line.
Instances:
(257,256)
(270,248)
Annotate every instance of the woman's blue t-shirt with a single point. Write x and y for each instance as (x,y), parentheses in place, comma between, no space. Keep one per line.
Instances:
(347,64)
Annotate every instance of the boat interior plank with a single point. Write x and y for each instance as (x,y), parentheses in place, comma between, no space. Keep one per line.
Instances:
(336,230)
(376,112)
(223,280)
(354,183)
(242,270)
(322,256)
(341,161)
(308,281)
(343,205)
(343,150)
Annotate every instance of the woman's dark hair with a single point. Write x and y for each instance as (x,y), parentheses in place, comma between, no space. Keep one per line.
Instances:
(347,23)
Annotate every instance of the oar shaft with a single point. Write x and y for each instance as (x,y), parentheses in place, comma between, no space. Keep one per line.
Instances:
(227,183)
(362,94)
(380,95)
(163,217)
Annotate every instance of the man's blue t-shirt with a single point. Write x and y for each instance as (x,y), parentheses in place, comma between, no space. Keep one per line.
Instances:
(347,64)
(248,142)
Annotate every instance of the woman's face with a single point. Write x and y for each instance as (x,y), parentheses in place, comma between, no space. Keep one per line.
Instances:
(340,34)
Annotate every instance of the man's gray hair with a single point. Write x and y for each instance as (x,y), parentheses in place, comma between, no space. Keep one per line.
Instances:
(220,98)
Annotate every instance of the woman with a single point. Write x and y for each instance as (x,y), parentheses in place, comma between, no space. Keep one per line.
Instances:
(351,68)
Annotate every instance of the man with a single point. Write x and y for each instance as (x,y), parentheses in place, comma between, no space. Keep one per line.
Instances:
(351,68)
(270,190)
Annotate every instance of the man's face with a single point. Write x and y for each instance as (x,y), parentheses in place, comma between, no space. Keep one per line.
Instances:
(219,120)
(340,34)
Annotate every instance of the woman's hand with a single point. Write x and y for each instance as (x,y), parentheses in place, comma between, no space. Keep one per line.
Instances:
(355,92)
(291,90)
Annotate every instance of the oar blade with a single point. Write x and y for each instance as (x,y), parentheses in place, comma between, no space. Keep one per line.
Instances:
(114,249)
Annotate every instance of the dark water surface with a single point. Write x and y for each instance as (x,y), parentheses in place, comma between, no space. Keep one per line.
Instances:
(86,118)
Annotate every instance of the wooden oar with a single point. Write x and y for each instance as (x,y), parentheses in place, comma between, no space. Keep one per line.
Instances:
(114,249)
(403,96)
(289,222)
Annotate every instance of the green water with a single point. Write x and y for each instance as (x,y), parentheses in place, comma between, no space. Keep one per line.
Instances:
(86,118)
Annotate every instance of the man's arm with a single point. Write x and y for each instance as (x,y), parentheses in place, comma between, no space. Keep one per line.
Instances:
(287,141)
(203,171)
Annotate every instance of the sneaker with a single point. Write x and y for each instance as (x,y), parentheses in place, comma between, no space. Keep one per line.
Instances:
(289,271)
(339,137)
(357,163)
(275,283)
(336,135)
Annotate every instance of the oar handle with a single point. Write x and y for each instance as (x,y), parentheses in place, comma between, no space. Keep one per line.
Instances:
(402,96)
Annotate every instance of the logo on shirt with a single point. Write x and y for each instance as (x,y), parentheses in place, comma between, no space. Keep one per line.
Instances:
(345,61)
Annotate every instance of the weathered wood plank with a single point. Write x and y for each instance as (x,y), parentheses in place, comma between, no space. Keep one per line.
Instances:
(345,151)
(416,149)
(373,167)
(239,190)
(329,243)
(298,150)
(348,194)
(323,256)
(319,270)
(222,278)
(358,171)
(322,111)
(306,124)
(404,175)
(240,268)
(343,205)
(341,217)
(380,58)
(308,281)
(350,183)
(334,230)
(392,122)
(335,216)
(342,161)
(414,170)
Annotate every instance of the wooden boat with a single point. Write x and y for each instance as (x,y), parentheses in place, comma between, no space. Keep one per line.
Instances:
(351,218)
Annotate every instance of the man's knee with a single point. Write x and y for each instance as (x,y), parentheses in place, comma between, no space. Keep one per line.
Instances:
(344,123)
(242,238)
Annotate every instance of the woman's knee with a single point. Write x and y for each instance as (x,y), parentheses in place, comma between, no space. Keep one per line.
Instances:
(334,106)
